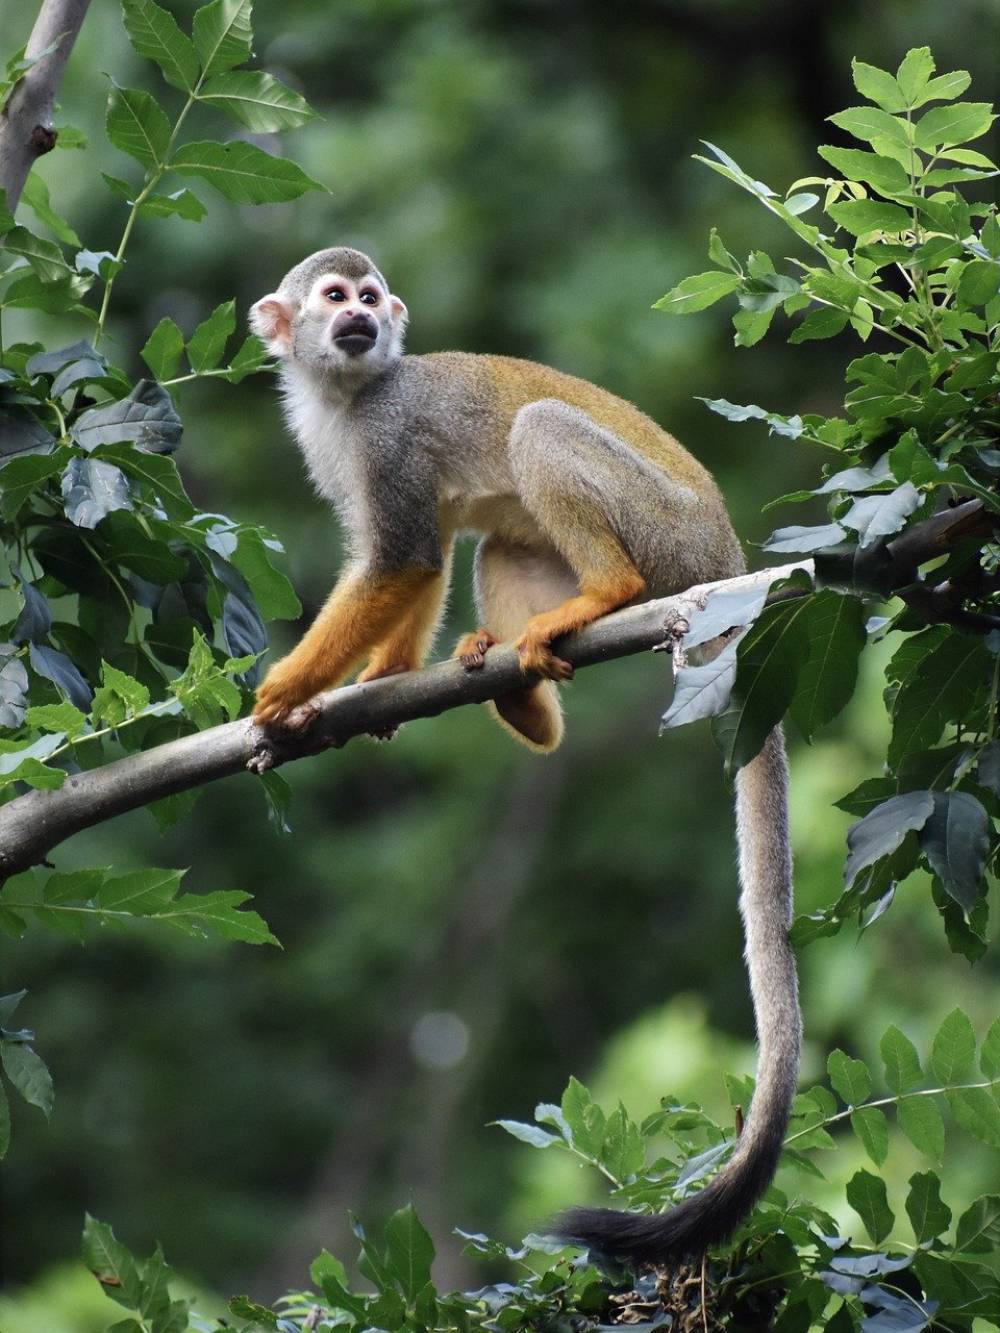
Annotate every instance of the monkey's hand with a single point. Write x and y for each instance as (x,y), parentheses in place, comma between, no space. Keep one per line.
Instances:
(284,689)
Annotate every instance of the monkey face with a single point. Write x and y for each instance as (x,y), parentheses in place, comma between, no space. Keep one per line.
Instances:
(341,321)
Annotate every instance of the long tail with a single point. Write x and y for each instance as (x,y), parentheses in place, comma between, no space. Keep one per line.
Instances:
(711,1215)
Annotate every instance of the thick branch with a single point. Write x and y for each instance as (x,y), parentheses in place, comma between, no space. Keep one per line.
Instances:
(26,122)
(31,825)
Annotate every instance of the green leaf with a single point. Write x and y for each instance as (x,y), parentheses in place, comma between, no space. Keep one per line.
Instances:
(945,678)
(989,1056)
(129,545)
(902,1065)
(956,842)
(979,283)
(146,417)
(21,477)
(244,1308)
(532,1134)
(181,204)
(867,1196)
(823,323)
(914,73)
(243,172)
(28,1073)
(945,87)
(154,34)
(977,1112)
(954,1048)
(222,35)
(882,831)
(205,914)
(112,1264)
(164,349)
(36,195)
(141,892)
(850,1078)
(251,357)
(835,625)
(697,292)
(945,126)
(929,1216)
(57,717)
(274,593)
(209,339)
(921,1122)
(872,1128)
(861,216)
(751,325)
(4,1122)
(257,100)
(868,124)
(768,660)
(878,86)
(718,253)
(44,257)
(137,125)
(978,1230)
(409,1251)
(885,173)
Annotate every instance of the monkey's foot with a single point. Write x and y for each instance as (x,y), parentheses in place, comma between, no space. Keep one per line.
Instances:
(372,672)
(537,655)
(280,697)
(471,649)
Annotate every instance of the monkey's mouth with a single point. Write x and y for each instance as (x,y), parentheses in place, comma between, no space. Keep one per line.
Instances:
(356,336)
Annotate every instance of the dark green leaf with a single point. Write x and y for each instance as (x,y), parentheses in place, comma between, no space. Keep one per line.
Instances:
(989,1056)
(928,1215)
(872,1128)
(921,1122)
(146,417)
(835,626)
(257,100)
(954,1048)
(137,125)
(978,1113)
(823,323)
(978,1230)
(222,35)
(274,594)
(882,831)
(28,1073)
(22,477)
(867,1196)
(902,1065)
(164,349)
(942,683)
(409,1251)
(36,195)
(849,1078)
(154,34)
(956,842)
(44,257)
(111,1263)
(243,172)
(209,339)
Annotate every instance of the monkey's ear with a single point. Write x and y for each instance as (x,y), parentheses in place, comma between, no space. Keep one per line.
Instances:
(399,311)
(271,320)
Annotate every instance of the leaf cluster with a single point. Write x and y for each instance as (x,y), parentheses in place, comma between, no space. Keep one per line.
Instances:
(901,259)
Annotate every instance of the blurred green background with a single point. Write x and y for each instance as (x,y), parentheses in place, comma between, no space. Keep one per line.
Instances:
(464,926)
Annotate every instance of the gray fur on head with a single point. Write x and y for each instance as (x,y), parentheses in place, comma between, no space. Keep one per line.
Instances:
(337,259)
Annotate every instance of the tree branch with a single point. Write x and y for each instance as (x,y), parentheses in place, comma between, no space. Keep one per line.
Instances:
(32,824)
(25,123)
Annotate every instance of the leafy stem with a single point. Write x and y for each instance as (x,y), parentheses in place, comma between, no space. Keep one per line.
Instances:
(887,1101)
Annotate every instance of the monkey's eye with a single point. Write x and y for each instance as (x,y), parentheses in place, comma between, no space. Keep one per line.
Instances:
(369,298)
(335,294)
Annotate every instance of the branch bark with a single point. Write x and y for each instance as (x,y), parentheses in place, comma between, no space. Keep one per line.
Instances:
(26,121)
(31,825)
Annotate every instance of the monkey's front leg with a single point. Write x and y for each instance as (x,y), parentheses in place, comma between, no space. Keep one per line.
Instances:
(361,610)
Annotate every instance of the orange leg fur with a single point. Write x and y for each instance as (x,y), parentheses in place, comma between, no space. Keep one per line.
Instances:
(595,599)
(409,641)
(359,613)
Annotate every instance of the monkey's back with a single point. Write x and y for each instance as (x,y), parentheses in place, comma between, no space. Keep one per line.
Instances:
(512,382)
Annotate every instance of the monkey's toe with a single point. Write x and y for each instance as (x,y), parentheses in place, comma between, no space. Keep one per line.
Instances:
(538,657)
(471,649)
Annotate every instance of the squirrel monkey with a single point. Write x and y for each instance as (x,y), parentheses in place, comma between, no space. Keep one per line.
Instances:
(583,505)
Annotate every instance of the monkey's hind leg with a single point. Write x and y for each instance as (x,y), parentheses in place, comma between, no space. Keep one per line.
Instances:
(412,638)
(580,482)
(514,583)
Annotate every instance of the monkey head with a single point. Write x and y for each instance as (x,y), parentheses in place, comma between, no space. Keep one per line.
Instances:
(333,313)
